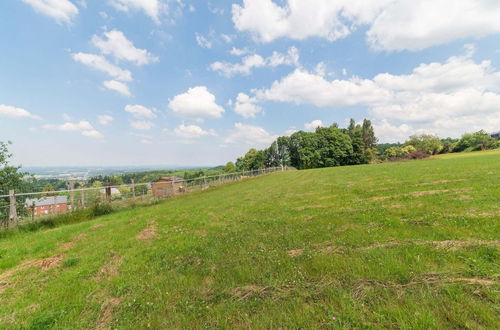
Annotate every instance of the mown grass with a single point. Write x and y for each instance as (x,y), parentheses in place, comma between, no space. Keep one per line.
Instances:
(397,245)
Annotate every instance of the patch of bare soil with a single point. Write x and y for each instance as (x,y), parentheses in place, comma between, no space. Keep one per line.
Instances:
(150,232)
(295,253)
(454,245)
(97,226)
(107,308)
(440,182)
(68,245)
(110,269)
(51,262)
(201,232)
(302,208)
(248,291)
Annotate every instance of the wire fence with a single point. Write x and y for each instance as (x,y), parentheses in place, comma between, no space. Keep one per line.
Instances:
(17,209)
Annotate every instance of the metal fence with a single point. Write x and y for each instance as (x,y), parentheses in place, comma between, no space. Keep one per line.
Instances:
(22,208)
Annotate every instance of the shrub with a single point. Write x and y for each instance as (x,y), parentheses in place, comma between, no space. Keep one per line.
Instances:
(100,209)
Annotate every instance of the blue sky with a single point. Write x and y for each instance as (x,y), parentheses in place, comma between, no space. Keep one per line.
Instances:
(178,82)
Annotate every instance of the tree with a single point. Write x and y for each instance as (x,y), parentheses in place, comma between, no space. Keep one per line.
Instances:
(49,188)
(229,168)
(475,141)
(10,178)
(430,144)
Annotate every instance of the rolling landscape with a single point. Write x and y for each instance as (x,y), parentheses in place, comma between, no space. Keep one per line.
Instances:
(395,245)
(250,164)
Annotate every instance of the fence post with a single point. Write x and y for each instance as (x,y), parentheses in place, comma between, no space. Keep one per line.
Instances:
(133,189)
(108,194)
(71,195)
(82,198)
(13,210)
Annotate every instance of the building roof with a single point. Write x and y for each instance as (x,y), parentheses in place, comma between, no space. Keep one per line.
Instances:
(46,201)
(169,179)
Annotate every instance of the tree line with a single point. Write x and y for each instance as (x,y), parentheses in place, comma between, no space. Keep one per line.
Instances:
(354,145)
(325,147)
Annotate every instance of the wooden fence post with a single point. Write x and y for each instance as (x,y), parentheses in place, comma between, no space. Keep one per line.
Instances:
(82,198)
(133,189)
(13,210)
(71,195)
(108,194)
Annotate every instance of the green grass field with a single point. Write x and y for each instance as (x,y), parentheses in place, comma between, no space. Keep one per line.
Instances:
(395,245)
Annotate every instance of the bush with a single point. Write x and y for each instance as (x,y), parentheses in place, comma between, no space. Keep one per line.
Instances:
(418,154)
(100,209)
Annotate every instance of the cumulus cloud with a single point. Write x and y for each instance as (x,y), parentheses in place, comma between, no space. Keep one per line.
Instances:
(117,86)
(15,112)
(251,135)
(392,24)
(197,103)
(140,111)
(256,61)
(83,127)
(246,106)
(313,125)
(152,8)
(105,119)
(189,133)
(142,125)
(202,41)
(63,11)
(116,44)
(101,64)
(303,87)
(449,98)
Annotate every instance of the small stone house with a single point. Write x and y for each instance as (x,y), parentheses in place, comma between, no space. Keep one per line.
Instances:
(167,186)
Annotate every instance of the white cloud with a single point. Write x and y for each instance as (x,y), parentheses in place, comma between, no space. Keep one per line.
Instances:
(313,125)
(197,103)
(189,132)
(392,24)
(63,11)
(291,58)
(117,86)
(449,98)
(246,106)
(256,61)
(239,52)
(302,87)
(83,127)
(152,8)
(100,63)
(142,125)
(116,44)
(202,41)
(139,111)
(389,133)
(251,135)
(416,25)
(15,112)
(105,119)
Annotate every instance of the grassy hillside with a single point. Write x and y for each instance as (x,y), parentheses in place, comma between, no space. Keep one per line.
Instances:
(397,245)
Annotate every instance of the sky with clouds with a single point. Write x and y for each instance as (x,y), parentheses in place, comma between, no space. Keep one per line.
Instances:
(192,82)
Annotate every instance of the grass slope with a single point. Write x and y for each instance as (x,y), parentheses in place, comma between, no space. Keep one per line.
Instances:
(397,245)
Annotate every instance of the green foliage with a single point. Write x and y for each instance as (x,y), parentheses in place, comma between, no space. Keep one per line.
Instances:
(230,168)
(476,141)
(430,144)
(399,152)
(326,147)
(100,209)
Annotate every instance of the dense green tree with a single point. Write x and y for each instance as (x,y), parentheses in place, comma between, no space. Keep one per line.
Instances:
(475,141)
(229,168)
(430,144)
